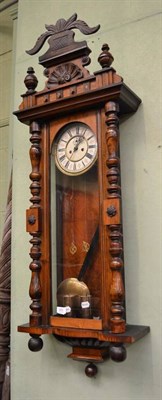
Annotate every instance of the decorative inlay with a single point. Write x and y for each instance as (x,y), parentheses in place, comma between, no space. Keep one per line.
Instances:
(85,246)
(73,248)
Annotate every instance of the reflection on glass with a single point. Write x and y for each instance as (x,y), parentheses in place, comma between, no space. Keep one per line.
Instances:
(77,245)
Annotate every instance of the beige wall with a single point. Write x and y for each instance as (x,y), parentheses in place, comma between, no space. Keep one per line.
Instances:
(5,95)
(133,30)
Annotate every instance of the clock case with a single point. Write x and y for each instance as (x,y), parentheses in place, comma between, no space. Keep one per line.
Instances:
(99,100)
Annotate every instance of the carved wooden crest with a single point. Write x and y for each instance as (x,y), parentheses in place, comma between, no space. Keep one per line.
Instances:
(61,40)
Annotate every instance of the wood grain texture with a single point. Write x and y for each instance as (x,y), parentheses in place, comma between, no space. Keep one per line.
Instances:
(131,334)
(117,291)
(35,251)
(90,355)
(80,323)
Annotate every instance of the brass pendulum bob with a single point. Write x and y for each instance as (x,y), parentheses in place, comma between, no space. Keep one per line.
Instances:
(75,288)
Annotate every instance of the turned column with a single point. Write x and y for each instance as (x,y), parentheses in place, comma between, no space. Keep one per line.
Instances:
(117,322)
(33,225)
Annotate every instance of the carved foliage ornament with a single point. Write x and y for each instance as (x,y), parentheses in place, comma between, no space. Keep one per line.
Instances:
(60,35)
(62,74)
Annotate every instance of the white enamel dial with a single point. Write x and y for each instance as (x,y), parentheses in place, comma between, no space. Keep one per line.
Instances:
(75,149)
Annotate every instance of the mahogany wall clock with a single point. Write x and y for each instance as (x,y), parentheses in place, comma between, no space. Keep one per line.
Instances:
(77,272)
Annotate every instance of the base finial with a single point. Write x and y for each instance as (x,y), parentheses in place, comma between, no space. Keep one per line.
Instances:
(91,370)
(118,352)
(35,343)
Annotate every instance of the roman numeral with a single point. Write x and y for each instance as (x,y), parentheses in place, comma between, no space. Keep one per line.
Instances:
(90,137)
(92,146)
(77,130)
(89,155)
(62,158)
(69,133)
(83,133)
(67,164)
(74,167)
(63,149)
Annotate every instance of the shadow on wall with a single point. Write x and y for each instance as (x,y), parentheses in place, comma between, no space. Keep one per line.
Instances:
(133,151)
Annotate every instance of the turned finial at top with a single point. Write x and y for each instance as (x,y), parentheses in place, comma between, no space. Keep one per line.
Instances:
(105,59)
(30,81)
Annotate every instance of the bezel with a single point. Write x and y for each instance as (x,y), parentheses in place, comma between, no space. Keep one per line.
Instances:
(62,131)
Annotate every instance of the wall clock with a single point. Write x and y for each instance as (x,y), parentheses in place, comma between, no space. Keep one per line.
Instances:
(77,264)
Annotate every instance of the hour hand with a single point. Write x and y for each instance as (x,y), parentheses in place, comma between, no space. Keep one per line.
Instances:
(78,141)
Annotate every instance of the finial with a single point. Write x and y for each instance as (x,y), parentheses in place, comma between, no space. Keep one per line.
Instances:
(30,81)
(105,58)
(91,370)
(118,352)
(35,343)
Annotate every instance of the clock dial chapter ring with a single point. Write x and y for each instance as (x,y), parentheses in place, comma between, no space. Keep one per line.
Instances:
(75,149)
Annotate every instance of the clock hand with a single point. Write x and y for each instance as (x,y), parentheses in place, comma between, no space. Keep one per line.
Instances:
(80,139)
(75,148)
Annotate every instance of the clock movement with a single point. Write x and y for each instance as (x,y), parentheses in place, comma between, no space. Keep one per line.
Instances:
(77,263)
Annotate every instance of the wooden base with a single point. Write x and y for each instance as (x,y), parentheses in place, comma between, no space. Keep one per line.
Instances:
(89,355)
(132,334)
(78,323)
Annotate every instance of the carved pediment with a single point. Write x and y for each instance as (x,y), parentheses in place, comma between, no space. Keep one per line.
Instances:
(62,74)
(61,41)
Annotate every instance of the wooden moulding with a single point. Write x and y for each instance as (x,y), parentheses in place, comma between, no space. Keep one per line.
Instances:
(79,323)
(128,103)
(89,355)
(132,334)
